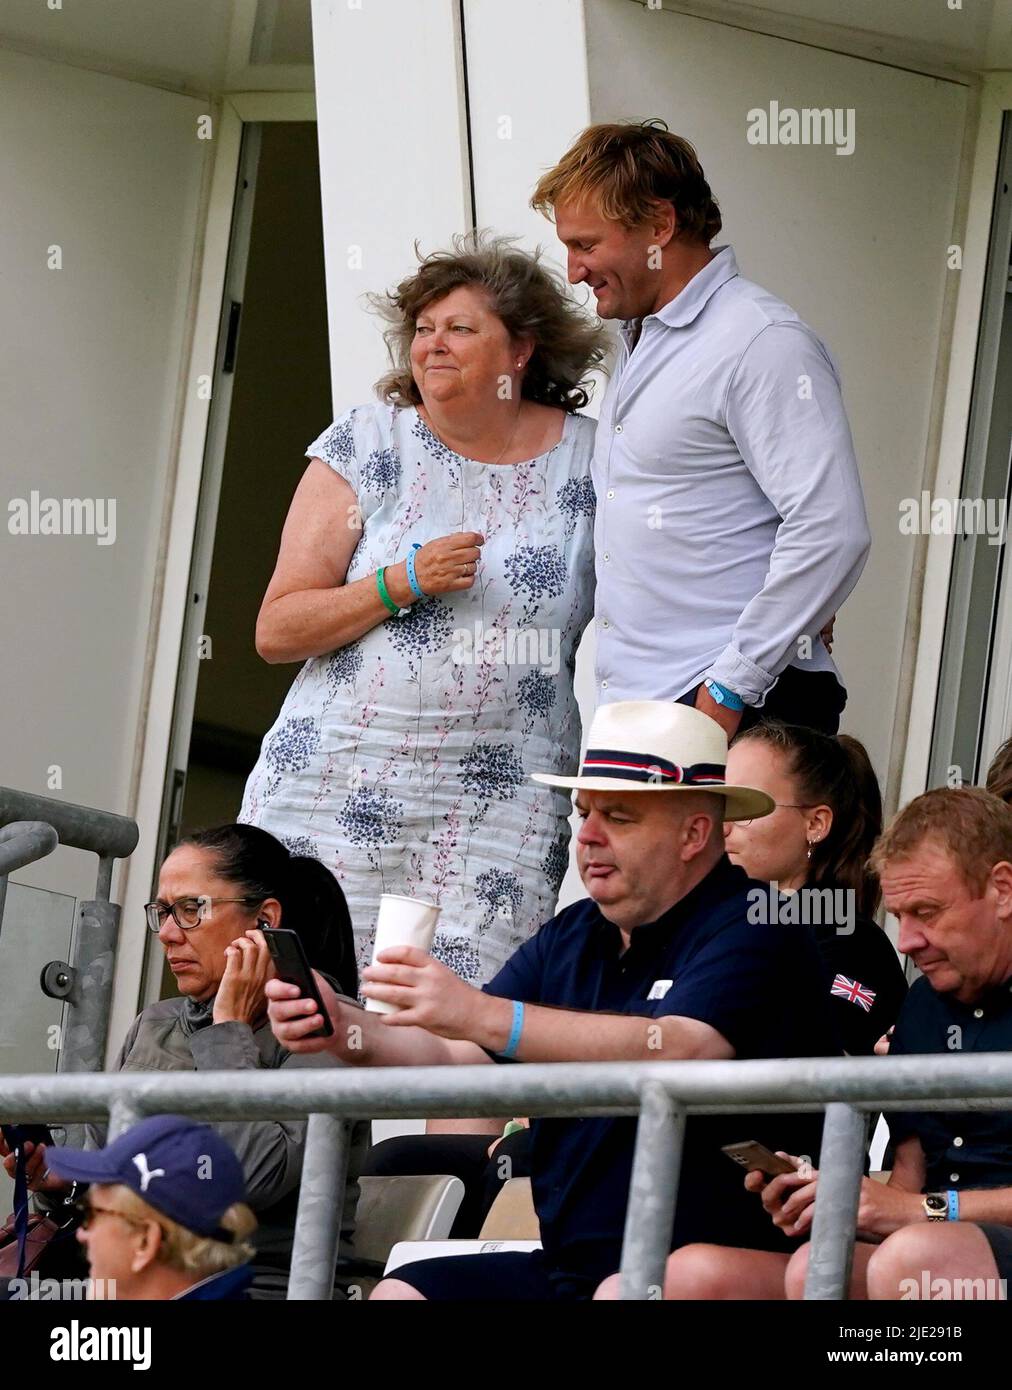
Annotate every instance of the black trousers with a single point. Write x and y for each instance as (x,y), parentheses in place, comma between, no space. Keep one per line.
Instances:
(463,1156)
(815,699)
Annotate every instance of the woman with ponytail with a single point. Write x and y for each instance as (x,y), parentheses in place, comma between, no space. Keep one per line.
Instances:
(813,849)
(218,892)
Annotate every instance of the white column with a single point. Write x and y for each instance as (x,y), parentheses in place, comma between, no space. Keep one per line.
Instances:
(393,160)
(529,99)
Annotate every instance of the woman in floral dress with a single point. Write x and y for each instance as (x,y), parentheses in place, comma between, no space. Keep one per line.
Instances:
(401,755)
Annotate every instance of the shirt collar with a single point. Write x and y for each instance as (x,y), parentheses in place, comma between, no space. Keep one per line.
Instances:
(690,301)
(227,1283)
(994,1002)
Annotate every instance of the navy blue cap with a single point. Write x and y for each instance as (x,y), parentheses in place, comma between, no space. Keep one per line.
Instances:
(183,1169)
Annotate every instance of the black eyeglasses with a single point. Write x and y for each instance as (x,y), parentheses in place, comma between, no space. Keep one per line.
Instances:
(186,912)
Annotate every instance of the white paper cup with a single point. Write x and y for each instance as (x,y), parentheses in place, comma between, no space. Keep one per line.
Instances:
(401,922)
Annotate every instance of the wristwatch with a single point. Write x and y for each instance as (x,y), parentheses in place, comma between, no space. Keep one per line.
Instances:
(936,1206)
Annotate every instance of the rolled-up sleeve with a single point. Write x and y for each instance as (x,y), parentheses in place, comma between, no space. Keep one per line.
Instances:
(784,410)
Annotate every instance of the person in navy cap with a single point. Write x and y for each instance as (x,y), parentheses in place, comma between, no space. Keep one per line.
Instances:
(165,1212)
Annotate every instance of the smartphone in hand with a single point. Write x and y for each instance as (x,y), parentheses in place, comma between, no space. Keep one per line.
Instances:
(756,1158)
(291,966)
(16,1135)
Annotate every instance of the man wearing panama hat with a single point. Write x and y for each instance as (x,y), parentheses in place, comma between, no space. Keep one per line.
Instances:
(658,962)
(662,735)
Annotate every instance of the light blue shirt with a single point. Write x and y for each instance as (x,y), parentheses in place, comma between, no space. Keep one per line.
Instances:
(730,521)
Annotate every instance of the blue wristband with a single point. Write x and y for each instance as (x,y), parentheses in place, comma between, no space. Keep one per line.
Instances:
(416,588)
(953,1199)
(728,698)
(510,1050)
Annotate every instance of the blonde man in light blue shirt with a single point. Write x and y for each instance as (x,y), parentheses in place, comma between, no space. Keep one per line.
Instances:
(730,520)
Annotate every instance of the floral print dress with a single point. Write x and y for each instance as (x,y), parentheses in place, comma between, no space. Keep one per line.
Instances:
(402,760)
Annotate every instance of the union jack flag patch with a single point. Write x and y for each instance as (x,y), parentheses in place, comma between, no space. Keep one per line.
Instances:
(853,991)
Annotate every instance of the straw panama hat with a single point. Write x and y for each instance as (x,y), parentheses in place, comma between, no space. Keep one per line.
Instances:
(659,746)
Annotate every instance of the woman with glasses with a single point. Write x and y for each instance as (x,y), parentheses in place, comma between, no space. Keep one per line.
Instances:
(218,892)
(811,853)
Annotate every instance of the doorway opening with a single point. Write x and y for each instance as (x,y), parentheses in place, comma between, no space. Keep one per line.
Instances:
(272,384)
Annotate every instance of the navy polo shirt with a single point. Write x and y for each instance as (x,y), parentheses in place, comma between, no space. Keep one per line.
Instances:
(867,986)
(760,986)
(963,1148)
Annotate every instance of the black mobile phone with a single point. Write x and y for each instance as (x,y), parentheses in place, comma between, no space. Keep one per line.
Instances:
(16,1135)
(291,965)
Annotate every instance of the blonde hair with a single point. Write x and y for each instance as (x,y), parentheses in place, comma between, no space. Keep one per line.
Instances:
(184,1250)
(625,169)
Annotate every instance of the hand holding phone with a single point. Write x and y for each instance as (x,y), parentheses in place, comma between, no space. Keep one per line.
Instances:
(25,1134)
(292,966)
(756,1158)
(33,1139)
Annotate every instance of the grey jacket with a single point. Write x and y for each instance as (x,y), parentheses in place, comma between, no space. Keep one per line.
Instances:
(179,1035)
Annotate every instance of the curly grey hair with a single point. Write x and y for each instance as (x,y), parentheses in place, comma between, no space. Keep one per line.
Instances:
(529,298)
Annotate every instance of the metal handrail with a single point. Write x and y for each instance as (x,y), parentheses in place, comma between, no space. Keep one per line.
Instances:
(81,827)
(31,827)
(662,1093)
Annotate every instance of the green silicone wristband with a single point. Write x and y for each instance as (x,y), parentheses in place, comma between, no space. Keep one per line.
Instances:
(384,592)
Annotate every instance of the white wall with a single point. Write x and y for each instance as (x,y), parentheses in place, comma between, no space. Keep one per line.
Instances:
(529,99)
(393,161)
(110,171)
(857,244)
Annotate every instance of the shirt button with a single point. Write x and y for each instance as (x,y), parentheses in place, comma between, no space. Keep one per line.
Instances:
(954,1177)
(604,685)
(978,1013)
(606,557)
(605,622)
(618,429)
(957,1142)
(611,492)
